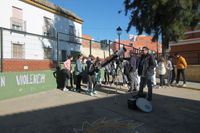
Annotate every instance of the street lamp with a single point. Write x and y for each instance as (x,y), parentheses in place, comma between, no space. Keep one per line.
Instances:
(119,32)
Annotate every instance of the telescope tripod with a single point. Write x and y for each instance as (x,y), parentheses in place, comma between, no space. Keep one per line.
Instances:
(116,82)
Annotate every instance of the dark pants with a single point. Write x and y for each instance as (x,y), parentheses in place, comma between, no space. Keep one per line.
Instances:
(143,82)
(180,71)
(78,82)
(60,83)
(71,80)
(173,76)
(162,81)
(106,77)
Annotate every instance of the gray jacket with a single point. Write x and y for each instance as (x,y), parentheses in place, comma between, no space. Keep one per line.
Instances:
(146,65)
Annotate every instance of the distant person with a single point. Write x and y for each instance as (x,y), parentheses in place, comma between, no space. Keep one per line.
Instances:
(60,77)
(88,63)
(154,74)
(145,71)
(113,70)
(79,72)
(173,71)
(93,68)
(68,70)
(126,69)
(97,72)
(181,66)
(107,72)
(133,72)
(170,68)
(84,72)
(161,71)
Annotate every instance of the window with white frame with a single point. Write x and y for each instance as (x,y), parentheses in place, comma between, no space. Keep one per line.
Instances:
(16,20)
(47,52)
(17,51)
(72,37)
(48,28)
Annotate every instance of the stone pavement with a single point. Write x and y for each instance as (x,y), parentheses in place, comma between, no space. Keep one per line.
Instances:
(175,110)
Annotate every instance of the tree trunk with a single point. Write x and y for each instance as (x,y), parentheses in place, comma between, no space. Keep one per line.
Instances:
(165,42)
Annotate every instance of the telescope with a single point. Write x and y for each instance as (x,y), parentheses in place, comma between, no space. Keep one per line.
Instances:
(113,56)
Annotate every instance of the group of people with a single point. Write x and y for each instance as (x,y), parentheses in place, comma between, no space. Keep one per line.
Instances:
(86,70)
(166,69)
(138,72)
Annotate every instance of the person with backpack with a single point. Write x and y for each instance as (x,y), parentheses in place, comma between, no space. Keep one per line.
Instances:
(60,76)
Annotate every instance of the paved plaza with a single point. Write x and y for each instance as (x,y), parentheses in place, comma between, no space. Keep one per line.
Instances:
(175,110)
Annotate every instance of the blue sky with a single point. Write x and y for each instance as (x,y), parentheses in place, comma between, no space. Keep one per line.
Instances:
(101,17)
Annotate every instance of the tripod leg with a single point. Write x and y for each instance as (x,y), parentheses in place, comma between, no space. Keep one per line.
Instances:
(117,78)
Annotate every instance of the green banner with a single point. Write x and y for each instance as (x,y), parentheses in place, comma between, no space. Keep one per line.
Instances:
(14,84)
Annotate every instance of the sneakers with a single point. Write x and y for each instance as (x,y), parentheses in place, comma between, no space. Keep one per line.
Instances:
(184,85)
(91,94)
(177,84)
(65,89)
(94,92)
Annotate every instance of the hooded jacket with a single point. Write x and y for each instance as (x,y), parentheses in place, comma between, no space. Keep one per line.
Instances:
(181,64)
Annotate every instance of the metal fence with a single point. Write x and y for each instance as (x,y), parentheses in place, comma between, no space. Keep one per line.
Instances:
(23,51)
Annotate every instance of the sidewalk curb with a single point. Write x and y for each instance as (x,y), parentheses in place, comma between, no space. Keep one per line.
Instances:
(191,88)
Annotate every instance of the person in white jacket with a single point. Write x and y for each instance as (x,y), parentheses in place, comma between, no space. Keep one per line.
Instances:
(169,70)
(161,70)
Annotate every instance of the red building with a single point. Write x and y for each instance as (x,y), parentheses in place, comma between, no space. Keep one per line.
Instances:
(189,47)
(137,42)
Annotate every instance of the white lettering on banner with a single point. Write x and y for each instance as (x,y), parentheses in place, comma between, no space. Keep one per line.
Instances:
(27,79)
(2,81)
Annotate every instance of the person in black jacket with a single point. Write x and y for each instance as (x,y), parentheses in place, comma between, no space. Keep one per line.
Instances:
(145,71)
(60,76)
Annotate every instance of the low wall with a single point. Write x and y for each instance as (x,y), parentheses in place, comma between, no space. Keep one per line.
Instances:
(14,84)
(21,65)
(192,73)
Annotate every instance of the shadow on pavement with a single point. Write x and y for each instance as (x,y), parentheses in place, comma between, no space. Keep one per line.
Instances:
(110,114)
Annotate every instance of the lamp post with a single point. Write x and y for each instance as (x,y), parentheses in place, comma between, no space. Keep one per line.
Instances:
(119,32)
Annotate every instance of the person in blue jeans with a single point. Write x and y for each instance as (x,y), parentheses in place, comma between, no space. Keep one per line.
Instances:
(145,71)
(78,72)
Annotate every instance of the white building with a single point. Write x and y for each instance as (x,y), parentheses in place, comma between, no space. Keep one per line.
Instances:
(40,22)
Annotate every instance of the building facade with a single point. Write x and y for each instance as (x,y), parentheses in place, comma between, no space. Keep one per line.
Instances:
(189,47)
(89,46)
(36,33)
(136,42)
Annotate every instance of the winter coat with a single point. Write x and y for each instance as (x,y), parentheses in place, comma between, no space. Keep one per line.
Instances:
(181,64)
(146,65)
(161,68)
